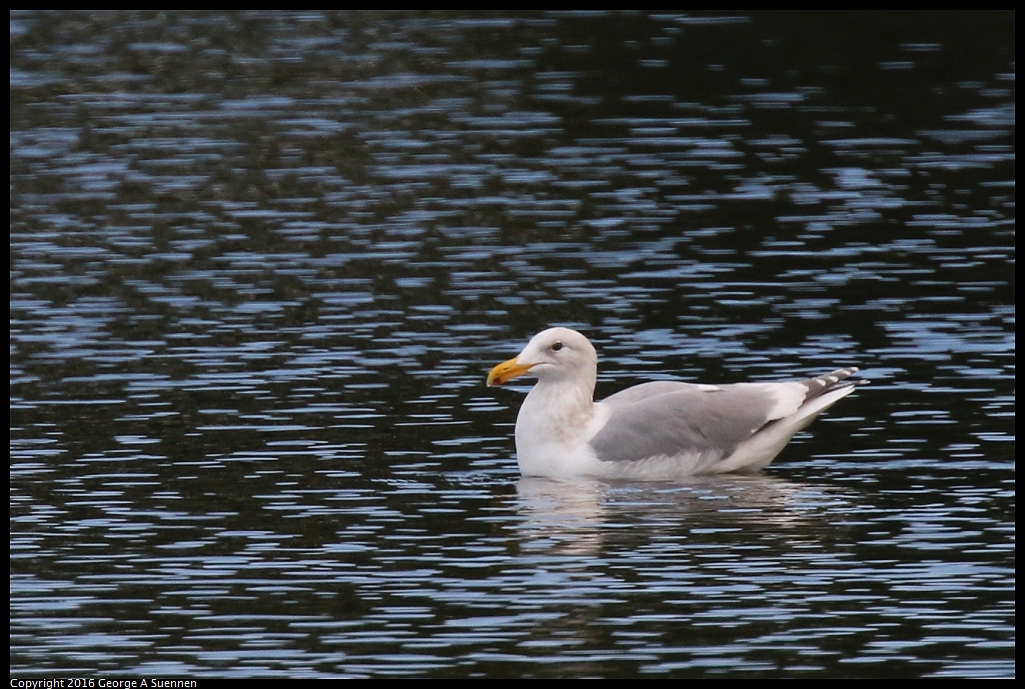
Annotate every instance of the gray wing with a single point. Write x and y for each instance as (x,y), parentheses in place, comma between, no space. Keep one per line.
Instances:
(665,419)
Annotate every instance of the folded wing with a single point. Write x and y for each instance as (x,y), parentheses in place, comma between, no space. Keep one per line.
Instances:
(709,424)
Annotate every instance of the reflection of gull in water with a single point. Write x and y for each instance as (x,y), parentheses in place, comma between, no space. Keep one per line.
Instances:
(662,429)
(578,515)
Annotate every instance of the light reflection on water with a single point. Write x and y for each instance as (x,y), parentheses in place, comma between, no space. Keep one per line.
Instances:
(260,264)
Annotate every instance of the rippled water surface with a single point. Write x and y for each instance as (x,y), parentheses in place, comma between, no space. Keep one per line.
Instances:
(262,261)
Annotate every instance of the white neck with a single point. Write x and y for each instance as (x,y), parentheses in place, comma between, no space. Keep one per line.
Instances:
(552,420)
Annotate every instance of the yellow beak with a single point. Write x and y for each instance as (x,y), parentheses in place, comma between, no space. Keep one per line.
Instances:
(506,371)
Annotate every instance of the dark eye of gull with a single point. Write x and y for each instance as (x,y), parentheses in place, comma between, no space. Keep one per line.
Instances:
(556,346)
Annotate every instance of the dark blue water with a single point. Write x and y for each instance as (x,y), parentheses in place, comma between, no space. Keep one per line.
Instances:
(262,261)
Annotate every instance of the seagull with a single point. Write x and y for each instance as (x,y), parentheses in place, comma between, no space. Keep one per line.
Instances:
(657,430)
